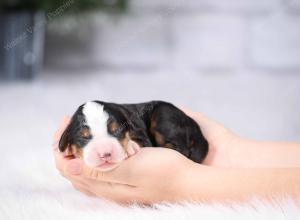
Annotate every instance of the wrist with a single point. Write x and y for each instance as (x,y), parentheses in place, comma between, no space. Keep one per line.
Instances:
(193,182)
(236,152)
(225,154)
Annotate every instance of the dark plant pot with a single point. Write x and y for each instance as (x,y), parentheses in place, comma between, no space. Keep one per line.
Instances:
(22,37)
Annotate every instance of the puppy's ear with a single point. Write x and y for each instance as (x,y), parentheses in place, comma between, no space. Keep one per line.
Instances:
(199,151)
(64,141)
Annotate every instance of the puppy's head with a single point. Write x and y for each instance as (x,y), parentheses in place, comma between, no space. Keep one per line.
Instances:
(99,135)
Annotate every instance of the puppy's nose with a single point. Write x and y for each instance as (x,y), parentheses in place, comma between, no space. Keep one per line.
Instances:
(105,156)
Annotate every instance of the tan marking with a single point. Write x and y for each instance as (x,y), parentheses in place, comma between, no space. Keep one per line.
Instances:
(153,125)
(76,152)
(125,143)
(85,133)
(159,139)
(113,127)
(168,145)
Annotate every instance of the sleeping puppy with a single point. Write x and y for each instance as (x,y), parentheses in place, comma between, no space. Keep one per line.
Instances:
(104,134)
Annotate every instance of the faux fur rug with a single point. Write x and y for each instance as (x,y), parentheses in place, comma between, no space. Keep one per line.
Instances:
(31,188)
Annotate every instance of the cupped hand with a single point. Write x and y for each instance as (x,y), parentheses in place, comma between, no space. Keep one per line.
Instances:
(152,175)
(139,179)
(222,141)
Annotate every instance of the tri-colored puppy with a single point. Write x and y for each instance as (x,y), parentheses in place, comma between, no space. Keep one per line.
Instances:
(104,134)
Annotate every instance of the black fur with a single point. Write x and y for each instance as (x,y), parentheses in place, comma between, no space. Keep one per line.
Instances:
(144,122)
(72,134)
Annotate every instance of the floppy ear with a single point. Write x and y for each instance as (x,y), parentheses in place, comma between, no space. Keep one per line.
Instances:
(140,138)
(199,150)
(64,141)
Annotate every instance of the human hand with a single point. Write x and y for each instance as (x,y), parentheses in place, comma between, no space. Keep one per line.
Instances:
(222,142)
(143,178)
(227,149)
(152,175)
(139,179)
(159,174)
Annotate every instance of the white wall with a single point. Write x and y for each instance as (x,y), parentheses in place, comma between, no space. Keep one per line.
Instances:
(206,35)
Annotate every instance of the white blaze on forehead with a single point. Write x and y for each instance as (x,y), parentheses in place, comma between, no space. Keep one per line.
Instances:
(101,142)
(96,118)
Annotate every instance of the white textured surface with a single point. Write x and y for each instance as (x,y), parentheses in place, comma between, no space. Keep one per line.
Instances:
(293,5)
(231,34)
(208,41)
(275,42)
(210,5)
(263,106)
(130,40)
(255,105)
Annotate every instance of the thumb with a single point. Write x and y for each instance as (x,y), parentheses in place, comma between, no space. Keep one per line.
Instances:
(74,167)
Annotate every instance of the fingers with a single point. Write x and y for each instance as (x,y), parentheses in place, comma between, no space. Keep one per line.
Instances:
(83,188)
(114,176)
(95,186)
(199,117)
(76,173)
(87,180)
(114,191)
(185,110)
(60,161)
(131,171)
(76,169)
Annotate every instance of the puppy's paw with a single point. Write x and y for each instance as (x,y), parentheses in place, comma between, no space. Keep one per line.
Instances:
(132,148)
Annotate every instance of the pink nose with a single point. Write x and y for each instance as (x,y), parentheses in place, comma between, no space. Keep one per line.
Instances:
(106,156)
(103,151)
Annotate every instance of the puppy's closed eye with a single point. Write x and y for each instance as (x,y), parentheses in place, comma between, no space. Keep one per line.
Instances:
(104,134)
(85,133)
(113,127)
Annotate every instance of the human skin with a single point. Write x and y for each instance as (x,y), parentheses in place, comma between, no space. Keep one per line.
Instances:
(224,176)
(229,150)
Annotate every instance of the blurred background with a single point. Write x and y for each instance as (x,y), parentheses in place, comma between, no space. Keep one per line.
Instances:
(236,61)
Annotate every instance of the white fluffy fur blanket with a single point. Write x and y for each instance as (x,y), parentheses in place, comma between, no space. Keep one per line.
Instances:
(31,188)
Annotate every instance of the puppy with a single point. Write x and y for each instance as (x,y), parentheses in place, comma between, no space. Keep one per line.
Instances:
(104,134)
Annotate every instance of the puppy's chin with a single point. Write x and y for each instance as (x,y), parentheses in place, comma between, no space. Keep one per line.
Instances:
(107,167)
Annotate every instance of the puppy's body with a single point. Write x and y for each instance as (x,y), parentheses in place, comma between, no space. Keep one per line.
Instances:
(104,133)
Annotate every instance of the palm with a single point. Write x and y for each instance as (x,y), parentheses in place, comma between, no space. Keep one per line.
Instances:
(219,138)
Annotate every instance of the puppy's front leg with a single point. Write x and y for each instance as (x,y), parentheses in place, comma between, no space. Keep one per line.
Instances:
(132,148)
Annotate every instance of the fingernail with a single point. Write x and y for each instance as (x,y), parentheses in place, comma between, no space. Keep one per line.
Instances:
(74,168)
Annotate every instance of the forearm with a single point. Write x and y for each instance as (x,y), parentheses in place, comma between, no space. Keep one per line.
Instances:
(237,185)
(250,154)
